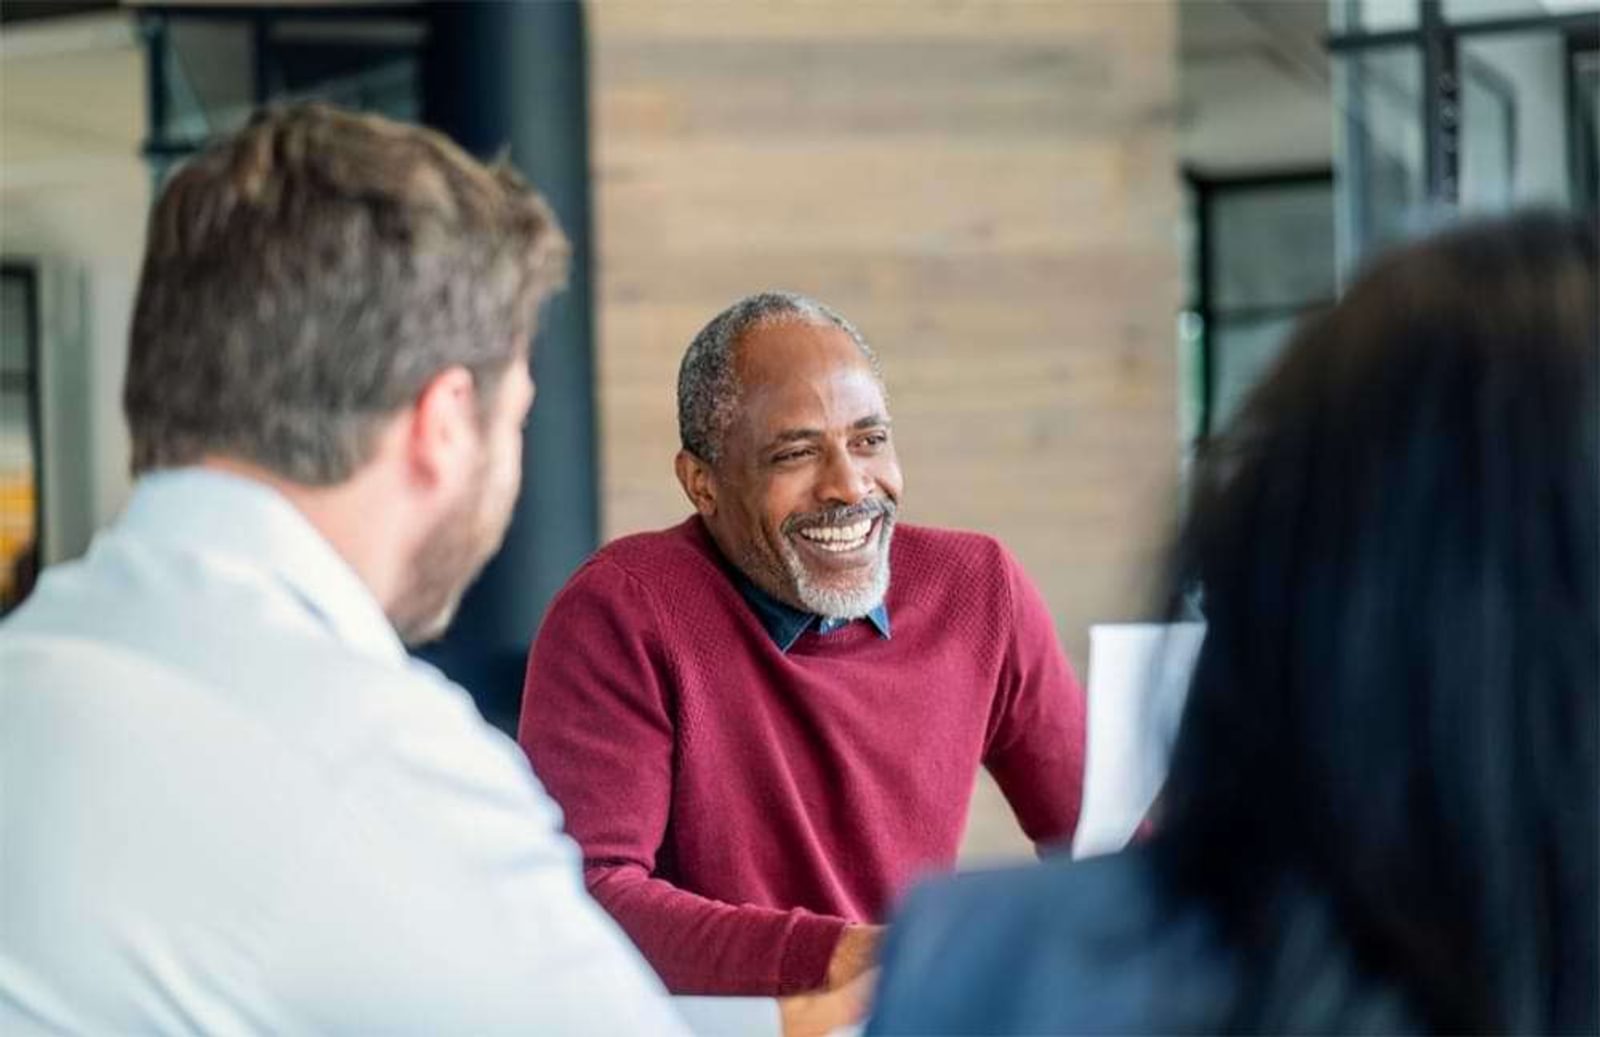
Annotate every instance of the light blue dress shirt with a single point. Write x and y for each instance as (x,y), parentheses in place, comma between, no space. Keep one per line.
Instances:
(230,802)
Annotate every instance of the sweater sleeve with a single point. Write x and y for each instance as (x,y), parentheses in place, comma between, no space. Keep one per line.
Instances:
(1035,748)
(599,726)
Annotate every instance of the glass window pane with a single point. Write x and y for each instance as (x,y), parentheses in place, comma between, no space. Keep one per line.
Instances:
(1466,11)
(210,78)
(1514,135)
(1272,246)
(1271,261)
(1354,16)
(371,65)
(1242,351)
(1378,157)
(1488,137)
(210,64)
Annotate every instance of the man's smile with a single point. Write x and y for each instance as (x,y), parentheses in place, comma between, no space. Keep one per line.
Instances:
(843,538)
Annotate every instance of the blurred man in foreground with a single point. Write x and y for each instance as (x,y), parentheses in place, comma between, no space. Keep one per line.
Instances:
(759,737)
(232,803)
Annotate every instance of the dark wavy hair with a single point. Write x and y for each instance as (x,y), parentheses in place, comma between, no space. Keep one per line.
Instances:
(1385,780)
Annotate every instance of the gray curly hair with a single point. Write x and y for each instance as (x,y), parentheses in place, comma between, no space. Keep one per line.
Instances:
(708,389)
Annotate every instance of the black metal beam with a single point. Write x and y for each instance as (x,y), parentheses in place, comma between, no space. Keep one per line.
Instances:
(1441,106)
(260,73)
(1564,23)
(154,30)
(1268,311)
(1205,361)
(1583,157)
(1289,176)
(13,12)
(296,12)
(512,79)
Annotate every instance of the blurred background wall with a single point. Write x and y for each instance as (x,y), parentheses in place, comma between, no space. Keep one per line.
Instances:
(74,191)
(1076,230)
(989,192)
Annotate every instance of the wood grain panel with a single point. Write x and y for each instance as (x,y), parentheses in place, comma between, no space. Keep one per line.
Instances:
(987,189)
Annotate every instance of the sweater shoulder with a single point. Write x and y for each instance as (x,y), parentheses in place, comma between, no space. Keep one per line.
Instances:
(954,555)
(656,553)
(964,577)
(679,557)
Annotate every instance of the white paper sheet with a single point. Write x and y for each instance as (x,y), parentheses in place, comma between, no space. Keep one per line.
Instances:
(1138,677)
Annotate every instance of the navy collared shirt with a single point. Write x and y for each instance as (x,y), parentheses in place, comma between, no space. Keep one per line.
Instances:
(785,623)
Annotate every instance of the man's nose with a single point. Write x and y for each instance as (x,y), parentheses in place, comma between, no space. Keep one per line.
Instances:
(845,479)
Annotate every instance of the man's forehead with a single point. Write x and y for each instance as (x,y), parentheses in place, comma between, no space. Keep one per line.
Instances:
(793,354)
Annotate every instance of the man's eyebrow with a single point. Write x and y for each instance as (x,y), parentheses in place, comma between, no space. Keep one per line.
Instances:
(794,435)
(797,435)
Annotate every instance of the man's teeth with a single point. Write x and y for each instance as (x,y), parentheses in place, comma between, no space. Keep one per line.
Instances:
(839,538)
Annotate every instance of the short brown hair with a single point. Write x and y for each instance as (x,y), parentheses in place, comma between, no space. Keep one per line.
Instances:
(306,277)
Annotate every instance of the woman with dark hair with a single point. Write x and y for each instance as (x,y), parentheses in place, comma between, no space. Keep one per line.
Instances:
(1381,813)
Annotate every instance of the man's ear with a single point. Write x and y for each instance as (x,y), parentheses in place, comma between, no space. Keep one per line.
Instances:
(698,481)
(444,430)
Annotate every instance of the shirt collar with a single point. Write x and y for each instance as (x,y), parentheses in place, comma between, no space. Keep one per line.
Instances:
(239,521)
(784,623)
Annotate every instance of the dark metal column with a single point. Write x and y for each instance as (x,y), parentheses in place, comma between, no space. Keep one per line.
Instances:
(511,78)
(1204,268)
(1441,106)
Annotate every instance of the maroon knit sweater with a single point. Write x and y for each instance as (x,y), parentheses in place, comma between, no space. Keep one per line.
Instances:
(737,805)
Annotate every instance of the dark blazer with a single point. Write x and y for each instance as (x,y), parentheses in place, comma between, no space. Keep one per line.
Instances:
(1062,947)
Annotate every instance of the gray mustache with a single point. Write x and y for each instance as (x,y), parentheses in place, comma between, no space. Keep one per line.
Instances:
(867,509)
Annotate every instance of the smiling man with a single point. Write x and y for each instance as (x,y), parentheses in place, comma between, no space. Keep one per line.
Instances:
(758,736)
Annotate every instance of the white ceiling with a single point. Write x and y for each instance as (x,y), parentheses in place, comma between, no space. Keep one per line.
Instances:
(72,118)
(72,96)
(1253,85)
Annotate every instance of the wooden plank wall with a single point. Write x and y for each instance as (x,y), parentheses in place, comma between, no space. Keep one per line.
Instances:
(988,190)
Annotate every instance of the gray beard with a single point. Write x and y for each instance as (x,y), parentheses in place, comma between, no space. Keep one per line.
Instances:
(833,603)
